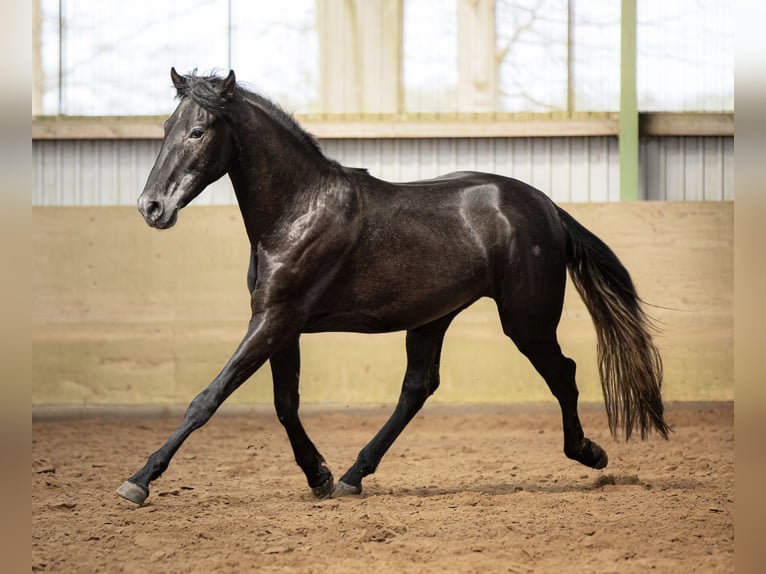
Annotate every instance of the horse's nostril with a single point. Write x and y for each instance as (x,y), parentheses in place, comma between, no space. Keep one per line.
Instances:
(153,210)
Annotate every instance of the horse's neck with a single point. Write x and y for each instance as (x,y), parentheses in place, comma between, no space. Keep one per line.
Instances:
(271,170)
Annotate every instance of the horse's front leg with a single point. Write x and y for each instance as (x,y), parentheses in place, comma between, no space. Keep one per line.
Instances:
(266,333)
(285,370)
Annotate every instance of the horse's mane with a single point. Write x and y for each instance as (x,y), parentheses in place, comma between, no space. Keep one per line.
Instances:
(205,92)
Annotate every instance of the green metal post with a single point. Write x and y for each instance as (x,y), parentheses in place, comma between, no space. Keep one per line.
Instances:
(628,137)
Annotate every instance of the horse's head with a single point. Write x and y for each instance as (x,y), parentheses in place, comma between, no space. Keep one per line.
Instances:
(196,149)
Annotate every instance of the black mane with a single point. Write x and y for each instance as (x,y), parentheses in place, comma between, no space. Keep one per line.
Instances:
(205,92)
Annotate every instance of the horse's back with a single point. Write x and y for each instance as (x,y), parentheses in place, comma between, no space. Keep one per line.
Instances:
(517,198)
(493,212)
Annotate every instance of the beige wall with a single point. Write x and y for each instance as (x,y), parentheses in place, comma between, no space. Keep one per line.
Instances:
(126,315)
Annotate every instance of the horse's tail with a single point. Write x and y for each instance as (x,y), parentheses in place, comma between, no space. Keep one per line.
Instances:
(629,363)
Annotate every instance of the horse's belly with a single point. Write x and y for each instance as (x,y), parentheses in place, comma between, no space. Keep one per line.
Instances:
(397,300)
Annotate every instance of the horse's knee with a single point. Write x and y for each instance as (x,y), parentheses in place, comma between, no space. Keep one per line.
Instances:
(415,391)
(286,409)
(201,409)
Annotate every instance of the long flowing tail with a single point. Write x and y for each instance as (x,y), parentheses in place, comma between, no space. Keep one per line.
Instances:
(629,363)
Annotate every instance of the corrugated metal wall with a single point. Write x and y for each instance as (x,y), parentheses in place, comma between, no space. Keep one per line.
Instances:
(573,169)
(568,169)
(687,168)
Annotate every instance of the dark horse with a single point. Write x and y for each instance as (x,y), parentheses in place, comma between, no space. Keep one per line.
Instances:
(335,249)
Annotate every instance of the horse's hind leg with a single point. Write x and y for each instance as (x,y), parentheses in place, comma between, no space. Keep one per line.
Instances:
(536,339)
(420,381)
(285,370)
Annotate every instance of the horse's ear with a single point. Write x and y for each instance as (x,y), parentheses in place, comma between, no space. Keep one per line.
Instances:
(178,80)
(228,85)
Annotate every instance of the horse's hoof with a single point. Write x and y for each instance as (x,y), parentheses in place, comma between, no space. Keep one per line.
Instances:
(593,455)
(602,459)
(132,492)
(323,490)
(344,489)
(590,454)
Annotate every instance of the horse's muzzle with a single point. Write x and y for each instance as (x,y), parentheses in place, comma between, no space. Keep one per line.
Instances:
(154,213)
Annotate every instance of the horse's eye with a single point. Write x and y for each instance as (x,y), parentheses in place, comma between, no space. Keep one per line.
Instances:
(196,134)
